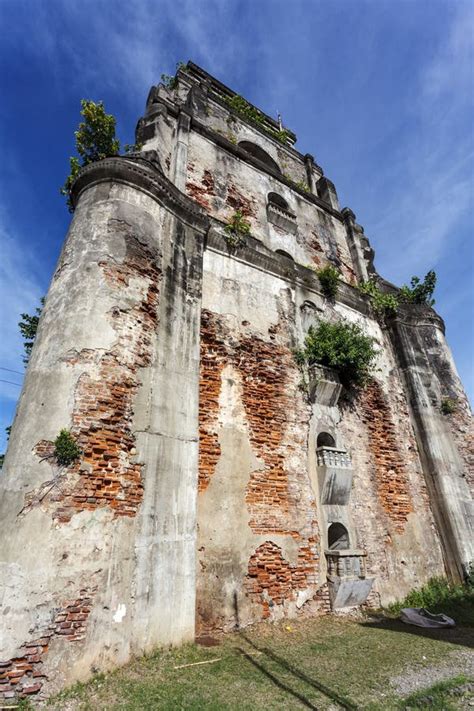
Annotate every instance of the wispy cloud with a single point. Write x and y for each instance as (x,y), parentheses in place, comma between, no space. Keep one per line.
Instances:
(430,185)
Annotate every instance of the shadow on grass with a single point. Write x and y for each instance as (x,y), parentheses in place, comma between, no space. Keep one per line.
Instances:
(285,666)
(276,680)
(454,635)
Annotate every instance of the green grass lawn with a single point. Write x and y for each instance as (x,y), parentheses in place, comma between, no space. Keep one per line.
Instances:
(324,663)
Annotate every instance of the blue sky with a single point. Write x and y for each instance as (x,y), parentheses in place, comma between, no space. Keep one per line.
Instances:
(380,92)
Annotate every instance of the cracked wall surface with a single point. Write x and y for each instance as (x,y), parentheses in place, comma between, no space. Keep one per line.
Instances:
(25,675)
(258,470)
(103,336)
(253,471)
(101,420)
(196,504)
(227,184)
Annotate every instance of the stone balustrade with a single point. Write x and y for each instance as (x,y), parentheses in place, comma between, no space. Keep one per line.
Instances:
(333,457)
(285,219)
(346,563)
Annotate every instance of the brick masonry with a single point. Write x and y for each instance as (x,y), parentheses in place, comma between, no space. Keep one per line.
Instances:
(272,580)
(107,474)
(391,475)
(399,535)
(278,496)
(24,675)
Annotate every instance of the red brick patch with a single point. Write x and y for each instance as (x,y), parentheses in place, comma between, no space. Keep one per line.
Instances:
(390,470)
(106,475)
(24,674)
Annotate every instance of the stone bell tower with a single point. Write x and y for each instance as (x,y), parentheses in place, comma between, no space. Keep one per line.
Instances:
(214,489)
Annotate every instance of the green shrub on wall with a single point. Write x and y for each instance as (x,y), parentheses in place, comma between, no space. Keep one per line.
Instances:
(237,230)
(247,111)
(329,278)
(382,303)
(448,405)
(419,292)
(95,140)
(66,449)
(341,346)
(386,304)
(171,81)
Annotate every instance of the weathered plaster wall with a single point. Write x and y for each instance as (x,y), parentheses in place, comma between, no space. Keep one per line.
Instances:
(222,183)
(95,563)
(429,374)
(258,470)
(390,507)
(253,474)
(182,391)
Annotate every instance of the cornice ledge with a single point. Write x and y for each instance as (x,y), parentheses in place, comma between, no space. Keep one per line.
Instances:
(140,173)
(417,316)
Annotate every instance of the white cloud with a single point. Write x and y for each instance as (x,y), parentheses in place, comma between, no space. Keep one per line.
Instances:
(428,187)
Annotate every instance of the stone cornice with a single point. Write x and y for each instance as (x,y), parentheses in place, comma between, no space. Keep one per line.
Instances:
(218,89)
(230,147)
(141,174)
(417,316)
(174,109)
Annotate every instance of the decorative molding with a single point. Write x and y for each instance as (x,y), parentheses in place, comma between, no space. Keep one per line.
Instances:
(142,174)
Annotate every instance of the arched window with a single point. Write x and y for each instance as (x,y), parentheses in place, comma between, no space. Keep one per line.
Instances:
(284,254)
(325,440)
(279,213)
(278,200)
(338,537)
(261,155)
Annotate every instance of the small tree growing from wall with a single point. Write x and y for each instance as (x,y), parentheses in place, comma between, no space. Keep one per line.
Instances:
(237,230)
(66,449)
(95,140)
(343,347)
(383,304)
(329,278)
(386,304)
(420,292)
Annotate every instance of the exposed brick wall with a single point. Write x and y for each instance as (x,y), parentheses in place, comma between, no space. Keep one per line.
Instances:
(272,579)
(323,598)
(203,191)
(24,674)
(106,474)
(390,468)
(278,418)
(238,201)
(213,354)
(278,494)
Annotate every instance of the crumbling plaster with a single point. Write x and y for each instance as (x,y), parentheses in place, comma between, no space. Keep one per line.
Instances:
(169,356)
(238,185)
(398,558)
